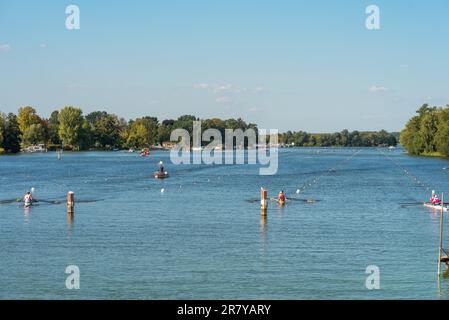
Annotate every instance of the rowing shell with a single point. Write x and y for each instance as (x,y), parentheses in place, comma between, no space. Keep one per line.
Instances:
(431,206)
(278,201)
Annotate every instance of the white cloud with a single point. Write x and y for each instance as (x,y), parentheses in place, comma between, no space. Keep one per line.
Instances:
(404,66)
(258,89)
(201,86)
(4,47)
(153,102)
(227,88)
(222,100)
(223,88)
(378,89)
(43,45)
(253,109)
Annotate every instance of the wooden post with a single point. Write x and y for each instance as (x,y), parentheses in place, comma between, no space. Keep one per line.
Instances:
(70,202)
(263,201)
(440,245)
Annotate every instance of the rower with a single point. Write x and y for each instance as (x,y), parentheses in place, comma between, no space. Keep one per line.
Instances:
(28,198)
(281,197)
(161,167)
(434,199)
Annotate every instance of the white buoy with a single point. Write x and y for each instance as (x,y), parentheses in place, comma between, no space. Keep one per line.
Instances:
(298,191)
(162,190)
(32,190)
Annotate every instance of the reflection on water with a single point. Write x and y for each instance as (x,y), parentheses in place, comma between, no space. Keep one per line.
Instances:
(262,232)
(26,214)
(70,220)
(263,225)
(443,282)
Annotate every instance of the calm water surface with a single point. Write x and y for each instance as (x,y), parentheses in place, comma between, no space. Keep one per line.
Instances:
(203,238)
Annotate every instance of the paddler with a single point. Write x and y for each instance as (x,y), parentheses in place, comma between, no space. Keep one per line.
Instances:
(161,167)
(281,197)
(434,199)
(28,198)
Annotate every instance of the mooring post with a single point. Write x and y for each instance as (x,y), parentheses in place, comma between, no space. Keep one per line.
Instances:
(440,245)
(70,202)
(263,201)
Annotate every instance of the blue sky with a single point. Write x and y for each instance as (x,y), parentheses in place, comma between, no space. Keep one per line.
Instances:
(290,65)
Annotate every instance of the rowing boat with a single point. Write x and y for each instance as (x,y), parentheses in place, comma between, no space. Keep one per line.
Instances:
(161,175)
(435,207)
(280,202)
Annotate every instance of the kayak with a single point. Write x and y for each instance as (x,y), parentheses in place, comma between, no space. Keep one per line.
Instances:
(435,207)
(161,175)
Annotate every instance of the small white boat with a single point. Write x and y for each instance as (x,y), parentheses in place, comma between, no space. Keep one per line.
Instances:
(435,207)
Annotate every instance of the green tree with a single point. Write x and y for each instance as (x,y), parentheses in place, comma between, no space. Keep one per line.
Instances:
(2,130)
(35,134)
(410,138)
(53,128)
(70,126)
(164,132)
(12,134)
(29,121)
(85,136)
(442,136)
(105,128)
(345,140)
(427,131)
(138,136)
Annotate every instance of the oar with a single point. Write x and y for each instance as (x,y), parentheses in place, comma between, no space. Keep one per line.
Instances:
(10,201)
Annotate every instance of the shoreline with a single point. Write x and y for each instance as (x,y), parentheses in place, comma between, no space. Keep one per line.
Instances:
(224,150)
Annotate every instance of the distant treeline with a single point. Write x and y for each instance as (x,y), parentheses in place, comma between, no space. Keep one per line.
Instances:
(427,133)
(100,130)
(340,139)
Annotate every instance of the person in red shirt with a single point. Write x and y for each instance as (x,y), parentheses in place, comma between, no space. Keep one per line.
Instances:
(281,197)
(435,200)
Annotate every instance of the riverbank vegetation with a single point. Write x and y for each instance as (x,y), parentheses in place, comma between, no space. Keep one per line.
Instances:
(427,133)
(70,129)
(339,139)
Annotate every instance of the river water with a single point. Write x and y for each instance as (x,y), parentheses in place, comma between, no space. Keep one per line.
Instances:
(204,238)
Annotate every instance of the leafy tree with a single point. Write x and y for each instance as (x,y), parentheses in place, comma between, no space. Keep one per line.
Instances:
(105,129)
(53,128)
(70,125)
(138,136)
(410,138)
(35,134)
(85,136)
(2,130)
(442,136)
(185,122)
(427,131)
(344,138)
(164,132)
(29,121)
(12,134)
